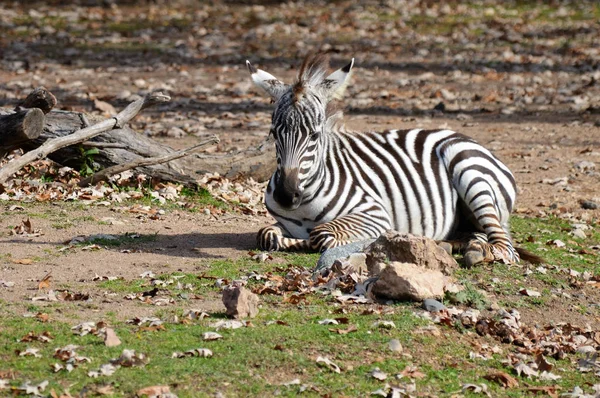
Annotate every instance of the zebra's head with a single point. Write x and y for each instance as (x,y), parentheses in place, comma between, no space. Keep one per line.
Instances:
(299,122)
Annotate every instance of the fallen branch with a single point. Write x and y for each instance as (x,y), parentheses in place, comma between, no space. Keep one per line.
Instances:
(119,168)
(85,134)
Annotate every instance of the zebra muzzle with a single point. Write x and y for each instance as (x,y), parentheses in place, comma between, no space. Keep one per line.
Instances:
(288,193)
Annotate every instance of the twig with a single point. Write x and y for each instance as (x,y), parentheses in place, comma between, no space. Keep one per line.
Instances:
(85,134)
(104,174)
(92,144)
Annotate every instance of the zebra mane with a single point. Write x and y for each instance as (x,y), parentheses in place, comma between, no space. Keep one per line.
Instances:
(312,72)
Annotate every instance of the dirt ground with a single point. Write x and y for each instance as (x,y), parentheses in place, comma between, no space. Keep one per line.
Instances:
(529,112)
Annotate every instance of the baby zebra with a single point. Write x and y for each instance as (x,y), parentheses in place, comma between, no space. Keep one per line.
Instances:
(332,187)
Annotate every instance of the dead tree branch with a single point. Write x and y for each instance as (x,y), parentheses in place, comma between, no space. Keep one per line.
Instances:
(50,146)
(106,173)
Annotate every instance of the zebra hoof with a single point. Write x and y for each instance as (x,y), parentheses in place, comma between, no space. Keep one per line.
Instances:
(446,246)
(473,258)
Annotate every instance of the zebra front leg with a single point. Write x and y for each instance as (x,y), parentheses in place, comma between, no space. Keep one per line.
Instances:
(272,238)
(347,229)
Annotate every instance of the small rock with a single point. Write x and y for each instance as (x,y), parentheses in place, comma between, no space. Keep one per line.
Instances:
(240,302)
(175,132)
(586,349)
(331,255)
(440,107)
(111,339)
(578,233)
(395,345)
(584,165)
(432,305)
(401,281)
(588,205)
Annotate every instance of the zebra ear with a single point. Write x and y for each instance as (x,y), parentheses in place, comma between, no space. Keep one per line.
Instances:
(273,86)
(335,84)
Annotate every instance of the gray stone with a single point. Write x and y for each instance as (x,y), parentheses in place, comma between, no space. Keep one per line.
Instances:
(331,255)
(588,205)
(432,305)
(395,345)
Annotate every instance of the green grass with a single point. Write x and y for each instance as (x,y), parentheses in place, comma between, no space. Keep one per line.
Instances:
(256,360)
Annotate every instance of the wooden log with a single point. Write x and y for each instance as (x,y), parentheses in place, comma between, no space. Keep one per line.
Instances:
(126,145)
(119,168)
(39,98)
(21,126)
(84,134)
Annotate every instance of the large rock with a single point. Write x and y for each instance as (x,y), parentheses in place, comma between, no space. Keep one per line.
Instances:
(405,248)
(405,281)
(240,302)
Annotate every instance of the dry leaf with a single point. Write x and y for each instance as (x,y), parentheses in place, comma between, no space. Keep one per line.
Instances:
(208,336)
(23,261)
(153,391)
(530,293)
(378,374)
(502,378)
(45,282)
(350,329)
(326,362)
(105,107)
(411,372)
(42,317)
(542,364)
(328,322)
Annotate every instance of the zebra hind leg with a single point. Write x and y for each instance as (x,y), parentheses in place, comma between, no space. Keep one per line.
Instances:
(272,238)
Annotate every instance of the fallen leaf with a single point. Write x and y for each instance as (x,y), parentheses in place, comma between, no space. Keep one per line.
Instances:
(105,107)
(326,362)
(32,352)
(542,364)
(549,376)
(208,336)
(350,329)
(378,374)
(42,317)
(530,293)
(502,378)
(153,391)
(411,372)
(328,322)
(476,388)
(23,261)
(45,282)
(227,324)
(523,369)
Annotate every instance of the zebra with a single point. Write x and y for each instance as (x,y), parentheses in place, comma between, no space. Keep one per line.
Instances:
(332,187)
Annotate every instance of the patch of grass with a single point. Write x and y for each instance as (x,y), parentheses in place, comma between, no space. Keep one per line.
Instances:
(469,296)
(124,239)
(201,197)
(63,225)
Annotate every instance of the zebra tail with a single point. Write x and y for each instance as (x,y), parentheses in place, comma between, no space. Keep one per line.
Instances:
(529,256)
